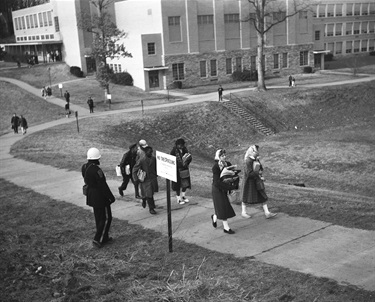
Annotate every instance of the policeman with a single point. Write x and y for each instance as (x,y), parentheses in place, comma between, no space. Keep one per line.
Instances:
(99,196)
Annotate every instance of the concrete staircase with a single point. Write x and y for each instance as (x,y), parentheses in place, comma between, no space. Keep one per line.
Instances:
(248,117)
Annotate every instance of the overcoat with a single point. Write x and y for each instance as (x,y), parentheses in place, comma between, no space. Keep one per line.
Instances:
(150,185)
(99,194)
(223,208)
(249,192)
(186,183)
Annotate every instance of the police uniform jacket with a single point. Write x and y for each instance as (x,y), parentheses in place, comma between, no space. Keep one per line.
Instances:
(98,193)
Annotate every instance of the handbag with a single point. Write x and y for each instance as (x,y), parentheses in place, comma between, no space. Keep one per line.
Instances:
(141,175)
(259,184)
(118,171)
(184,173)
(127,169)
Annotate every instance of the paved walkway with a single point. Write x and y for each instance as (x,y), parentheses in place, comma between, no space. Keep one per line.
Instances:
(301,244)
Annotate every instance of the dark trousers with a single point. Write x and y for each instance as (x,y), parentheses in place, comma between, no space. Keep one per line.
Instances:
(103,220)
(91,109)
(150,202)
(125,182)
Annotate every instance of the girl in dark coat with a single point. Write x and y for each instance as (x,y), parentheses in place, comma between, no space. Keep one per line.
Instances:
(223,208)
(250,194)
(183,159)
(126,165)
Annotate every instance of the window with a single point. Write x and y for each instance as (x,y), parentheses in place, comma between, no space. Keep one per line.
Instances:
(322,10)
(49,15)
(349,9)
(116,70)
(315,8)
(213,68)
(57,25)
(45,19)
(317,35)
(330,10)
(276,61)
(371,45)
(365,9)
(303,58)
(338,48)
(228,65)
(348,46)
(111,66)
(330,47)
(231,18)
(349,29)
(338,31)
(371,27)
(203,68)
(37,37)
(42,37)
(356,46)
(364,46)
(35,20)
(205,19)
(206,29)
(23,23)
(174,29)
(285,60)
(178,71)
(364,27)
(329,30)
(302,14)
(119,68)
(357,9)
(31,21)
(28,21)
(356,28)
(16,24)
(372,8)
(51,36)
(338,10)
(40,19)
(253,62)
(239,64)
(151,48)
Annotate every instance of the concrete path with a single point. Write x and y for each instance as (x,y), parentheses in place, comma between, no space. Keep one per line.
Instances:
(301,244)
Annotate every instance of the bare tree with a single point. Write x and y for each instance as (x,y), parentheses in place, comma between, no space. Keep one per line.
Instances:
(264,15)
(106,39)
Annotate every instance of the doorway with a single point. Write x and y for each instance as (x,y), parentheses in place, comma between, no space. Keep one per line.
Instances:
(153,78)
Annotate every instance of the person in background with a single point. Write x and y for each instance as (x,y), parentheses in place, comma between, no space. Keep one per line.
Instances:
(67,96)
(67,109)
(150,184)
(127,164)
(15,122)
(23,124)
(99,196)
(220,92)
(90,102)
(183,159)
(290,80)
(220,189)
(252,193)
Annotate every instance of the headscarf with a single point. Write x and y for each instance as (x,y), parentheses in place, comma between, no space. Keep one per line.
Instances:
(219,153)
(252,152)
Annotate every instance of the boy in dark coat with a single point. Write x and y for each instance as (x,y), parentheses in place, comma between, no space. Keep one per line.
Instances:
(99,196)
(15,122)
(126,165)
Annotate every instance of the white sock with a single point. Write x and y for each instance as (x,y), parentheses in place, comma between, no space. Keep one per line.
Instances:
(214,218)
(178,197)
(243,208)
(226,225)
(183,194)
(265,208)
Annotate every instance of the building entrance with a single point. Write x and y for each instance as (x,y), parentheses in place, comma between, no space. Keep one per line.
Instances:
(153,77)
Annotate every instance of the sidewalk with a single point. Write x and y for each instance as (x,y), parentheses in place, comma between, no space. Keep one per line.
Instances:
(309,246)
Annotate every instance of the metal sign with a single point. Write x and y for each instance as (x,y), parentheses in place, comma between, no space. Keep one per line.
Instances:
(166,166)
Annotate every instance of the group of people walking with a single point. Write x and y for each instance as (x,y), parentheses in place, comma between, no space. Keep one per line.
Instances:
(17,122)
(138,165)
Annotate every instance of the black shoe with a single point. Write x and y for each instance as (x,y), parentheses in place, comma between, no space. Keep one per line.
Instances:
(214,224)
(138,197)
(97,244)
(120,191)
(144,203)
(109,239)
(229,231)
(152,211)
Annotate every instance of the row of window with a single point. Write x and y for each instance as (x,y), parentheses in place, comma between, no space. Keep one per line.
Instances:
(279,60)
(42,19)
(115,67)
(35,38)
(351,46)
(349,9)
(349,28)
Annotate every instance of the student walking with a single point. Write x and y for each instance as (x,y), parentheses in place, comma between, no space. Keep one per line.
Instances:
(67,109)
(253,190)
(149,185)
(99,196)
(290,80)
(23,124)
(183,159)
(67,96)
(127,164)
(15,122)
(220,92)
(220,189)
(90,102)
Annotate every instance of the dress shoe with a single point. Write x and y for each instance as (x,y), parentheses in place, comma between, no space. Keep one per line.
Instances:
(152,211)
(270,215)
(109,239)
(214,223)
(184,199)
(120,191)
(245,215)
(97,244)
(144,203)
(138,197)
(229,231)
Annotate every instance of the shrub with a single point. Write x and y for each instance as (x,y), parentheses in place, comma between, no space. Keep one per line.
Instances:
(307,69)
(75,70)
(245,75)
(178,84)
(122,78)
(328,57)
(372,53)
(2,53)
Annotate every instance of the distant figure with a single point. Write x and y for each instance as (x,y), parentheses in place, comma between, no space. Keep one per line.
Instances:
(57,55)
(44,92)
(18,64)
(293,82)
(290,80)
(67,96)
(220,91)
(23,124)
(48,57)
(90,102)
(15,122)
(49,91)
(67,110)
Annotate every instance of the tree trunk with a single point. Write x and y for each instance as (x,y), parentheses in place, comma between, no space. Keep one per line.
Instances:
(260,64)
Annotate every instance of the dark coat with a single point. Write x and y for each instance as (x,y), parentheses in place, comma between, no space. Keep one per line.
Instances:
(249,192)
(186,182)
(223,208)
(99,194)
(129,158)
(150,185)
(23,122)
(15,121)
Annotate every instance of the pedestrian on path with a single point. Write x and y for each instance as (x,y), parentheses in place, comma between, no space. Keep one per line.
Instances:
(44,92)
(183,159)
(15,122)
(90,102)
(23,124)
(67,96)
(290,80)
(127,164)
(293,82)
(220,92)
(49,91)
(220,189)
(99,196)
(149,185)
(67,109)
(253,190)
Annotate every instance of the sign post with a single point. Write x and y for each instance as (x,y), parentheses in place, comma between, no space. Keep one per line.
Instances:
(76,113)
(61,86)
(166,166)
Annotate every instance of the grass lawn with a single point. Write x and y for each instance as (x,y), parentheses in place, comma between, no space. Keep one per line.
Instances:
(47,256)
